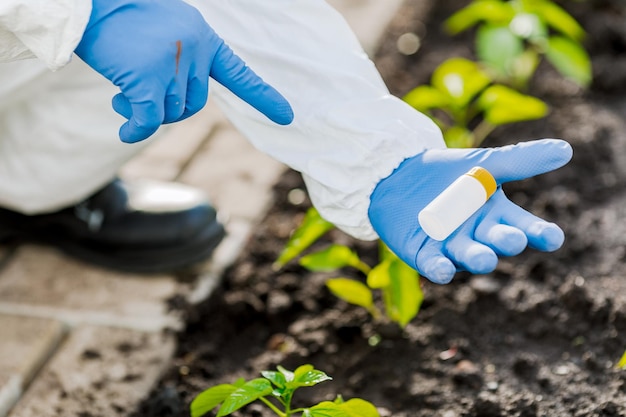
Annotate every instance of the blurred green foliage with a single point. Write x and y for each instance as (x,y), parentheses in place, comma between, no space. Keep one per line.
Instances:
(467,105)
(513,36)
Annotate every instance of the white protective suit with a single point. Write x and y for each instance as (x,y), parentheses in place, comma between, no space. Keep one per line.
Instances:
(58,133)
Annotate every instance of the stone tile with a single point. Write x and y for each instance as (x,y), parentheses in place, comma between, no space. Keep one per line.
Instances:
(166,157)
(39,281)
(98,372)
(11,388)
(236,176)
(25,344)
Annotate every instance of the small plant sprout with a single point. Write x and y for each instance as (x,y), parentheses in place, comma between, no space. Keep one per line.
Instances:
(397,282)
(467,106)
(513,36)
(276,390)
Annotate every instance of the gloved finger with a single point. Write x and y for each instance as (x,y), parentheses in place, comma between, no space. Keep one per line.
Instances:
(504,239)
(146,117)
(469,254)
(141,123)
(432,264)
(526,159)
(230,71)
(542,235)
(121,105)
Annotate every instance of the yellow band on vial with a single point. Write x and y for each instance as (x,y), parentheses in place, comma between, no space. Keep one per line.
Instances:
(485,178)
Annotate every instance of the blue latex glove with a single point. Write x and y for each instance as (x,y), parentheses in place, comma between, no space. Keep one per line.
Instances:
(160,53)
(499,228)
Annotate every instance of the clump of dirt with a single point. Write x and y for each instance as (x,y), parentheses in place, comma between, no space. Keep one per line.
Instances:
(538,337)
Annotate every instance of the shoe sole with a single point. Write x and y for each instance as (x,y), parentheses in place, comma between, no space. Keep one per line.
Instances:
(152,260)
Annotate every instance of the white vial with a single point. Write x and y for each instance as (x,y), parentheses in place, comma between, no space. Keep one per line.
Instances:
(457,203)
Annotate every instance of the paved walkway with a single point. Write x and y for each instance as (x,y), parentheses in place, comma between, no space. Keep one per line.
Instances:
(81,341)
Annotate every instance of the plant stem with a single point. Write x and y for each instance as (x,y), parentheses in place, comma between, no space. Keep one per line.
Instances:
(363,267)
(273,407)
(481,131)
(375,312)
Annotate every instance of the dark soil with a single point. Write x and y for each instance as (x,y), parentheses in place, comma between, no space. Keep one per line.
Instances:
(538,337)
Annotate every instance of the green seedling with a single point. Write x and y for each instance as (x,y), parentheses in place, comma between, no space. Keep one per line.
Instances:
(276,390)
(513,36)
(397,282)
(468,106)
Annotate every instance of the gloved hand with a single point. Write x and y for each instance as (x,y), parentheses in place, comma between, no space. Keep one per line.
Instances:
(160,53)
(498,228)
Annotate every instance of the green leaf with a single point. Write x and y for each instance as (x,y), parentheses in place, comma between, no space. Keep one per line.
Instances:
(379,275)
(287,373)
(525,65)
(622,362)
(498,48)
(249,392)
(330,259)
(404,294)
(339,399)
(313,226)
(570,59)
(425,98)
(488,10)
(276,378)
(326,409)
(355,407)
(528,26)
(461,79)
(307,376)
(557,18)
(502,105)
(210,398)
(458,137)
(352,291)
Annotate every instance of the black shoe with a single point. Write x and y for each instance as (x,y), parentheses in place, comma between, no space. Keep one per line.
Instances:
(135,227)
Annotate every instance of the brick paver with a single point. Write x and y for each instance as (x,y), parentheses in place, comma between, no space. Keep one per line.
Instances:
(99,371)
(79,340)
(25,344)
(40,282)
(234,175)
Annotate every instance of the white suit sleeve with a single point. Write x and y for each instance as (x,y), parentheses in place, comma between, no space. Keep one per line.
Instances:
(46,29)
(348,132)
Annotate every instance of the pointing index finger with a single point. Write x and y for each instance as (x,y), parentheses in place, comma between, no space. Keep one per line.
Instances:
(230,71)
(527,159)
